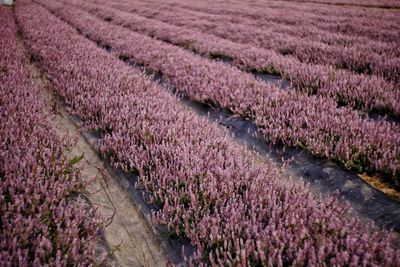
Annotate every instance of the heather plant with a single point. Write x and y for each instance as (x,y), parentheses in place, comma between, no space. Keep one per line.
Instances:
(41,224)
(357,22)
(359,91)
(358,58)
(234,210)
(364,3)
(311,122)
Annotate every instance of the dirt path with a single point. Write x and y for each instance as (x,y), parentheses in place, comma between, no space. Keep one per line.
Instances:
(127,232)
(128,235)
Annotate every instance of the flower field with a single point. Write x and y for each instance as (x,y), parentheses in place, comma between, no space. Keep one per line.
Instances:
(342,105)
(40,223)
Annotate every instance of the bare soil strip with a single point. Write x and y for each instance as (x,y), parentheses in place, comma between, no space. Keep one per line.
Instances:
(129,237)
(127,233)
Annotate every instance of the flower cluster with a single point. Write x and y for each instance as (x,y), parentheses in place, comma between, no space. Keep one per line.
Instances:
(236,211)
(40,223)
(358,57)
(375,24)
(364,3)
(368,92)
(293,118)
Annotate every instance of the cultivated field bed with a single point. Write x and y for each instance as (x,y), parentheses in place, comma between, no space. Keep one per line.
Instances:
(195,141)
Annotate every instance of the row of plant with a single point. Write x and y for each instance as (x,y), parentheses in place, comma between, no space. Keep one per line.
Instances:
(375,24)
(273,23)
(294,119)
(358,91)
(236,212)
(41,224)
(342,57)
(364,3)
(308,9)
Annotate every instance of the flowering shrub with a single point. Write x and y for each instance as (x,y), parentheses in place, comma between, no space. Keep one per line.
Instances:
(374,24)
(364,3)
(311,122)
(360,91)
(40,223)
(235,212)
(364,57)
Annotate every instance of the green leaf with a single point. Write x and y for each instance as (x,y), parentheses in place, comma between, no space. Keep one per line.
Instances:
(76,159)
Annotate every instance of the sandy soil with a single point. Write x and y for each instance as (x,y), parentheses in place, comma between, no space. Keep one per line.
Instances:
(128,235)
